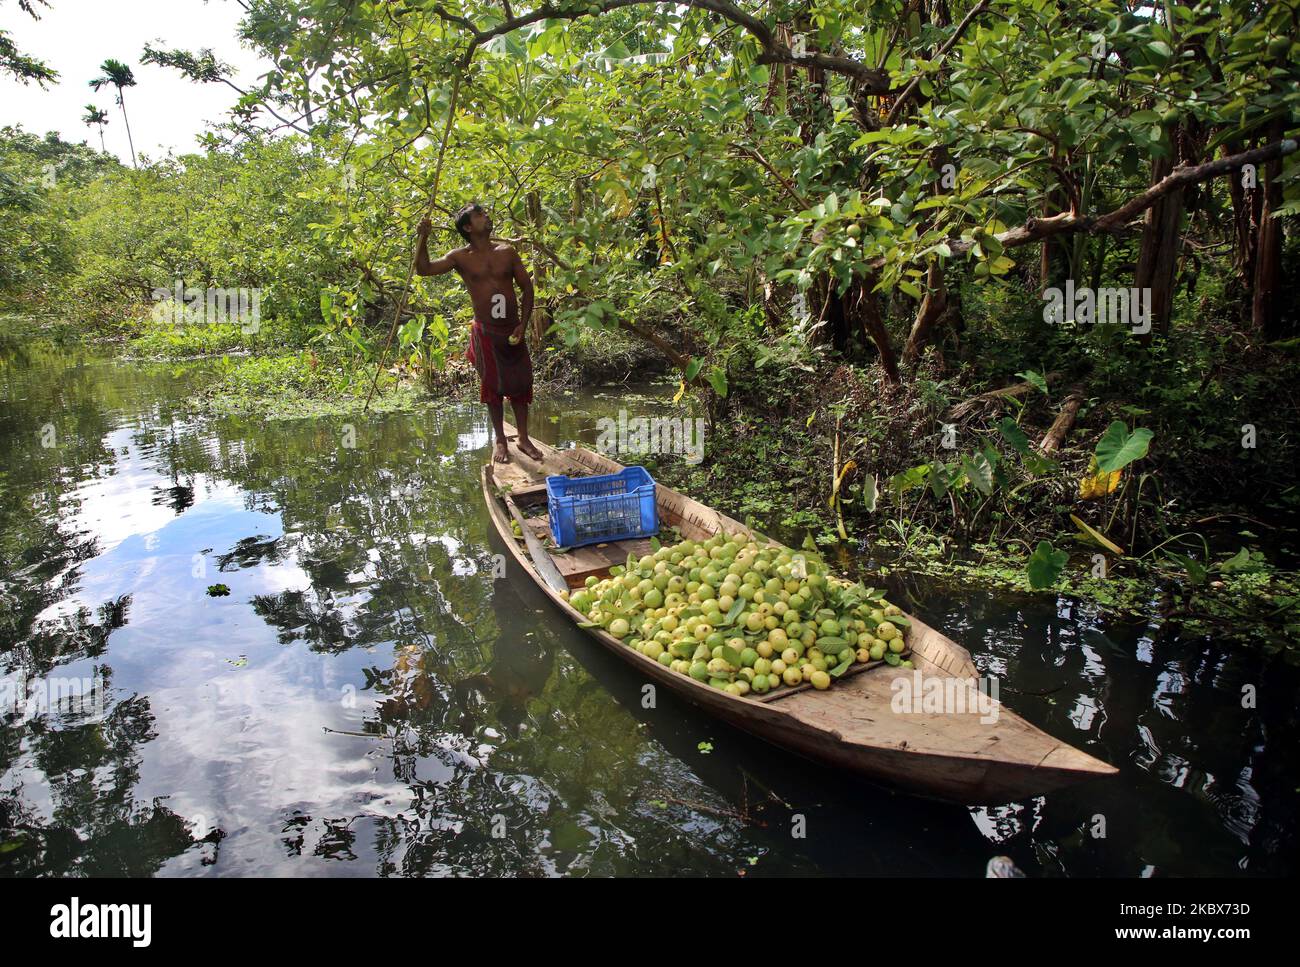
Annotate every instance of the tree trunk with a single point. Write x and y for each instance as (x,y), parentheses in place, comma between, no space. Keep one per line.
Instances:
(121,101)
(1158,255)
(1246,203)
(833,313)
(961,410)
(1266,304)
(1048,252)
(579,197)
(933,307)
(867,306)
(809,105)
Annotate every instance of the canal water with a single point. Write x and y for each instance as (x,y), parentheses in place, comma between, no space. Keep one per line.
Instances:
(254,647)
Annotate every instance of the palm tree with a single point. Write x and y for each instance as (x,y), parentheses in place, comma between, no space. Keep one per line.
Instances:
(118,75)
(95,116)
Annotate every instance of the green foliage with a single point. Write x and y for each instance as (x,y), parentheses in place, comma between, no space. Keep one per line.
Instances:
(676,197)
(21,66)
(301,385)
(1118,447)
(1045,565)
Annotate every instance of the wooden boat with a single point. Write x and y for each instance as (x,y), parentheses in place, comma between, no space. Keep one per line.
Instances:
(968,756)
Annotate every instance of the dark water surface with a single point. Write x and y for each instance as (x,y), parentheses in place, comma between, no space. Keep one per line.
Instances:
(368,700)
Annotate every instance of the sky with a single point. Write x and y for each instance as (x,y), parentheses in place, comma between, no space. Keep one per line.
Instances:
(167,112)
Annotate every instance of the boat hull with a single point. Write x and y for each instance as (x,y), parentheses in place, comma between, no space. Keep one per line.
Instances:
(983,754)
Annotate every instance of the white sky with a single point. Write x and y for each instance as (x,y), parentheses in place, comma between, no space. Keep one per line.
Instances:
(166,111)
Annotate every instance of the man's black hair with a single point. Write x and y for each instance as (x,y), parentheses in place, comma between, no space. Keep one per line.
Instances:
(462,218)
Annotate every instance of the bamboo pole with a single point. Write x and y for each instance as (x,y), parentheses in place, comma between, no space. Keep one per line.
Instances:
(433,198)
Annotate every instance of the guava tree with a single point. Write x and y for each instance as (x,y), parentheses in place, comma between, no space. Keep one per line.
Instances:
(843,163)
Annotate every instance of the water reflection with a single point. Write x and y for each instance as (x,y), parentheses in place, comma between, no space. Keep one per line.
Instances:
(372,698)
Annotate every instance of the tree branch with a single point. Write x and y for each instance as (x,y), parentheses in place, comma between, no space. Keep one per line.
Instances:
(1037,229)
(873,80)
(910,91)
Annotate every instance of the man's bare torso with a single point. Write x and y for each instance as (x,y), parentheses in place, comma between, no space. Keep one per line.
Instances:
(489,277)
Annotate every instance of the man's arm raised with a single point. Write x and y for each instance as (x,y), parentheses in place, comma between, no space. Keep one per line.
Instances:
(423,265)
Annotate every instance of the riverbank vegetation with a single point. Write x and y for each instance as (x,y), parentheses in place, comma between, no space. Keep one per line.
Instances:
(1001,289)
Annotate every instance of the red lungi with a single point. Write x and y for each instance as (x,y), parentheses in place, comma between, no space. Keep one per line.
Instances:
(503,370)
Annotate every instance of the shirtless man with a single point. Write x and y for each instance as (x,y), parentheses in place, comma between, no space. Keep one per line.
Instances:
(497,347)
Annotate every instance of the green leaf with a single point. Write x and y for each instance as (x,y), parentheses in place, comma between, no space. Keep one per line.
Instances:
(693,369)
(1034,379)
(734,612)
(1045,565)
(1012,433)
(1196,572)
(731,656)
(842,667)
(1039,465)
(718,380)
(1117,447)
(1243,560)
(980,472)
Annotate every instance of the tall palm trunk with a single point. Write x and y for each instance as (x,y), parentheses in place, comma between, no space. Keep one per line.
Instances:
(121,102)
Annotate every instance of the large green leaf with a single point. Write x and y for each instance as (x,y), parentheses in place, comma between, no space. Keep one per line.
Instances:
(1117,447)
(979,471)
(1012,433)
(1035,379)
(717,378)
(1045,565)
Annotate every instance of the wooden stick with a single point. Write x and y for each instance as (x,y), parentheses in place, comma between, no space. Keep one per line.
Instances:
(433,198)
(960,410)
(1064,422)
(544,565)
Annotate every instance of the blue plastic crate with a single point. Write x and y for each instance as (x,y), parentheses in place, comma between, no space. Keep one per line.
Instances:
(610,507)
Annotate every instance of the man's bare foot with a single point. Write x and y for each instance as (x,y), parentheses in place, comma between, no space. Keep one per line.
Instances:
(502,455)
(527,449)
